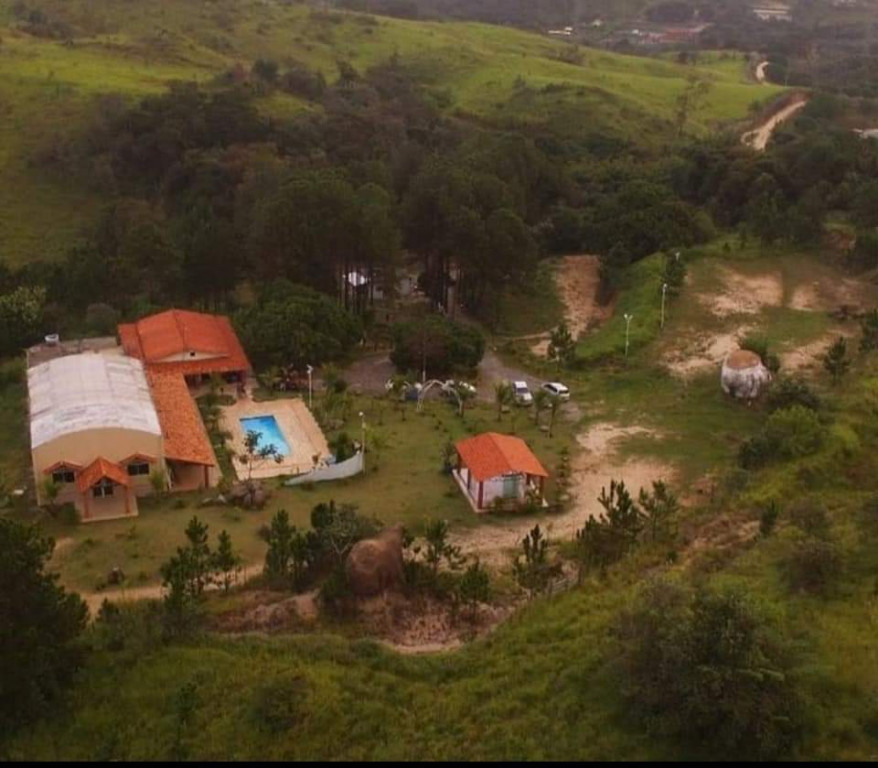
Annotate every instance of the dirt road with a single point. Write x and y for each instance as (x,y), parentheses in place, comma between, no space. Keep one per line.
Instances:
(758,138)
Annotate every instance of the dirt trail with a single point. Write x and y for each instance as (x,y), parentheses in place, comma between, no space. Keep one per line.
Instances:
(94,600)
(760,72)
(593,468)
(578,281)
(759,137)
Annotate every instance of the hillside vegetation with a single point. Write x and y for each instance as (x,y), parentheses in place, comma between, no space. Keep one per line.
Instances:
(54,64)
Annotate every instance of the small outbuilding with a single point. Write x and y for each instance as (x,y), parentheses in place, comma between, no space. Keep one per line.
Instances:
(744,375)
(493,466)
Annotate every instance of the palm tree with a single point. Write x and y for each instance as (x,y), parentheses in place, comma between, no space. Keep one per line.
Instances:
(554,404)
(541,402)
(503,396)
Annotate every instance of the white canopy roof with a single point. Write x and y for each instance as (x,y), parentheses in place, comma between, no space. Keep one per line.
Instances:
(89,391)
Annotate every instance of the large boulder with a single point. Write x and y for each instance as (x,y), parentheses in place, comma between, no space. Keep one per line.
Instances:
(375,565)
(744,376)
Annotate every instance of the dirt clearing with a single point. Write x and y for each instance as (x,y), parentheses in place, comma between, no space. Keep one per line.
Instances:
(593,469)
(745,294)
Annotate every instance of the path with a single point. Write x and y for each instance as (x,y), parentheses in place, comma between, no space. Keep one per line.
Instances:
(759,137)
(94,600)
(760,72)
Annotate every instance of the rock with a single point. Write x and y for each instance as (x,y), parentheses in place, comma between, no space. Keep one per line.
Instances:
(375,565)
(258,498)
(744,376)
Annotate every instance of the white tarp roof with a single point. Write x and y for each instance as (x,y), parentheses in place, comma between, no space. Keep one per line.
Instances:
(89,391)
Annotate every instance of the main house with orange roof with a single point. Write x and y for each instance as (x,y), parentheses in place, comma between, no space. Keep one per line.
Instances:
(192,344)
(494,469)
(106,420)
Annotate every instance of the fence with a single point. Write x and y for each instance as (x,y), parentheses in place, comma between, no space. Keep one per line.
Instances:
(340,471)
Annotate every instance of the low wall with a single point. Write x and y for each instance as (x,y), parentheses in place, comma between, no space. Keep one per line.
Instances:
(340,471)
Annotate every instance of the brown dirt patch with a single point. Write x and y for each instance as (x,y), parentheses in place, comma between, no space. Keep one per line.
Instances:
(704,352)
(745,294)
(810,356)
(830,294)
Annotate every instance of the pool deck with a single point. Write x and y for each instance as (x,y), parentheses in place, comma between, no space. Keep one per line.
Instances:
(299,429)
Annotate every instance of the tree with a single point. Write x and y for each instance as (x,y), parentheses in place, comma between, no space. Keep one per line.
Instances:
(473,587)
(869,337)
(541,402)
(836,361)
(256,454)
(21,312)
(436,345)
(51,490)
(532,568)
(607,538)
(200,558)
(562,346)
(504,397)
(710,670)
(288,555)
(674,275)
(226,561)
(180,600)
(158,481)
(39,624)
(659,511)
(439,549)
(555,404)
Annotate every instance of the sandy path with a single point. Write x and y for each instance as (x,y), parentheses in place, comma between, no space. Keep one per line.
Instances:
(152,592)
(759,137)
(760,72)
(593,469)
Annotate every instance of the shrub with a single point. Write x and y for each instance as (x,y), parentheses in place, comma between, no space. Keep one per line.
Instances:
(788,392)
(810,517)
(710,670)
(794,432)
(814,566)
(760,345)
(279,704)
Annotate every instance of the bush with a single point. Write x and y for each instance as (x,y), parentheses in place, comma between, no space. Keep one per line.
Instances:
(788,392)
(810,517)
(280,704)
(789,433)
(760,346)
(814,566)
(709,670)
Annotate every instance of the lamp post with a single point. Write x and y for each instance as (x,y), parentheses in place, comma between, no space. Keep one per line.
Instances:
(628,319)
(363,441)
(310,371)
(664,298)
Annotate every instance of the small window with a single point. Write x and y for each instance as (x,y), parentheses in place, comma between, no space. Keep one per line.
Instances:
(140,468)
(103,489)
(63,476)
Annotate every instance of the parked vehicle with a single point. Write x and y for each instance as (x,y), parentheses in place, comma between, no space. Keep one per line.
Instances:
(557,389)
(522,393)
(452,385)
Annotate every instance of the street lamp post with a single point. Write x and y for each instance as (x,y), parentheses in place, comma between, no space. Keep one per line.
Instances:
(363,441)
(310,371)
(664,298)
(628,319)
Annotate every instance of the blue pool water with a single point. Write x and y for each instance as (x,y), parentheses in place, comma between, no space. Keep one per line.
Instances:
(269,429)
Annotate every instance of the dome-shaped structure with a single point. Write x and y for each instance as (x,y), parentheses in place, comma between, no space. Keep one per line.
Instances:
(744,375)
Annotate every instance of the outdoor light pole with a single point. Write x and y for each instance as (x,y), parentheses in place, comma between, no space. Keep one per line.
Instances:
(628,319)
(310,371)
(363,442)
(664,297)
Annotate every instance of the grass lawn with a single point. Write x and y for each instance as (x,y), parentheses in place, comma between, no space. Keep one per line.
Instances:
(403,484)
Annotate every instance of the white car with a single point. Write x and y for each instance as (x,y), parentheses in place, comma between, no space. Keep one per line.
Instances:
(522,393)
(557,389)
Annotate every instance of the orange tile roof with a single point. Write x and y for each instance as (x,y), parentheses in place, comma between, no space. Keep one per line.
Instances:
(491,455)
(177,332)
(183,430)
(99,469)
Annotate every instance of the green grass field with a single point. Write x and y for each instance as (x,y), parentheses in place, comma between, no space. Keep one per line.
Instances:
(503,76)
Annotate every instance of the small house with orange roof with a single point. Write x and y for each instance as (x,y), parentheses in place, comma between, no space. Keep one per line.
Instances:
(191,344)
(494,469)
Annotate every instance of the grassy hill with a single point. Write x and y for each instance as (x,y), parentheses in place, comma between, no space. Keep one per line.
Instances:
(494,75)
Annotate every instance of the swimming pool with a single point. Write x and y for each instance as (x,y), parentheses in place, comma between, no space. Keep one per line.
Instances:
(269,431)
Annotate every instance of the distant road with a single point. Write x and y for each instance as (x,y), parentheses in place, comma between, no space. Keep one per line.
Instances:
(759,137)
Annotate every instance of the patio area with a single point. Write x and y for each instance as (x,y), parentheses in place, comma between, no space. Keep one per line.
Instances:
(300,431)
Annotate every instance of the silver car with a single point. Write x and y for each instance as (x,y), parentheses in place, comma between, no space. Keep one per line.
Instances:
(557,389)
